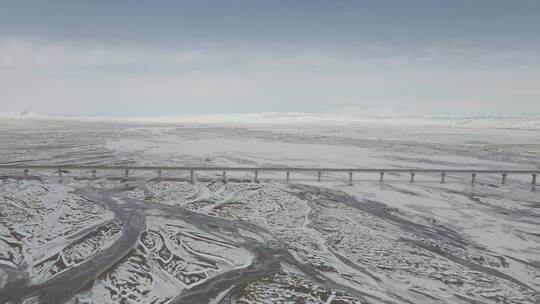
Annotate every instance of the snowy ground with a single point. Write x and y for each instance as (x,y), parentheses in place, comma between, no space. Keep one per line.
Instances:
(142,240)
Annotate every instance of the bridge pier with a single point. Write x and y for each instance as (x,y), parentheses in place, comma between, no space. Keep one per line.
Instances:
(350,178)
(381,179)
(94,173)
(191,176)
(256,180)
(288,175)
(412,177)
(224,176)
(473,178)
(126,173)
(443,175)
(533,182)
(503,181)
(319,176)
(159,174)
(25,172)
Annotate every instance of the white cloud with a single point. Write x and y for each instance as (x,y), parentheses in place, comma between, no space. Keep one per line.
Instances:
(189,56)
(45,76)
(33,53)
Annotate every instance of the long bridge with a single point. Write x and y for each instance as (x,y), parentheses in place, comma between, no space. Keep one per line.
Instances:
(60,169)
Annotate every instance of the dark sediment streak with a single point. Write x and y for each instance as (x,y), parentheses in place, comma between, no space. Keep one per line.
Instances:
(66,284)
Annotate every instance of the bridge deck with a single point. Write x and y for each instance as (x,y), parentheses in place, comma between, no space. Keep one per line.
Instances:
(412,171)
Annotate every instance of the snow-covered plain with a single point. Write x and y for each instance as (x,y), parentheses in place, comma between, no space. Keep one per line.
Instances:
(143,240)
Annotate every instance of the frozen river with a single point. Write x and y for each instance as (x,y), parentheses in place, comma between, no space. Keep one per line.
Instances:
(142,240)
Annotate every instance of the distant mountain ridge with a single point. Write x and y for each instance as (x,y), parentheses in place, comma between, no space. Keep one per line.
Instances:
(494,121)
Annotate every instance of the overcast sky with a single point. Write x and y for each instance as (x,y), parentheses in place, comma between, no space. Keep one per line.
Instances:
(144,58)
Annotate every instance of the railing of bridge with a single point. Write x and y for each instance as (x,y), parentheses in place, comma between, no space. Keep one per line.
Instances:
(60,169)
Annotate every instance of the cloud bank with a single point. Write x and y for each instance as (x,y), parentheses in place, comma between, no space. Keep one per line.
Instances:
(89,78)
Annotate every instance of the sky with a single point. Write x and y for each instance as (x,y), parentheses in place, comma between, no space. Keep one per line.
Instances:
(168,58)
